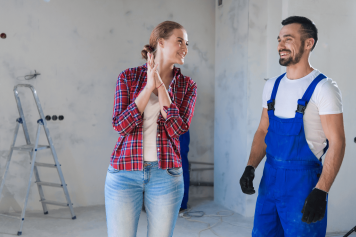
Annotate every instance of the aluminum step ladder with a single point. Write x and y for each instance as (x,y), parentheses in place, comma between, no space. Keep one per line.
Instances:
(350,232)
(33,148)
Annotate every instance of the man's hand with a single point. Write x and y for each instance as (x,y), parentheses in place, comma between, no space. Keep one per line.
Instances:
(246,180)
(314,206)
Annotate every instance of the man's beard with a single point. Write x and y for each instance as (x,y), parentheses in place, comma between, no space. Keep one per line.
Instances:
(292,61)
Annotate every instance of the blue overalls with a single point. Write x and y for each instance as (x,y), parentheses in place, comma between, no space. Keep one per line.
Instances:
(291,172)
(184,149)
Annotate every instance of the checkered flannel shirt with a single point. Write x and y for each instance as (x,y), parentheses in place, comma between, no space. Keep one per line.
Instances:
(128,121)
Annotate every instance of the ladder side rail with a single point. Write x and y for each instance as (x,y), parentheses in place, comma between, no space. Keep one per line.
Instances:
(60,174)
(40,190)
(30,178)
(24,125)
(9,157)
(65,189)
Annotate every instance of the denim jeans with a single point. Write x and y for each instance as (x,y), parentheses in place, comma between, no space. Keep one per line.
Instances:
(162,191)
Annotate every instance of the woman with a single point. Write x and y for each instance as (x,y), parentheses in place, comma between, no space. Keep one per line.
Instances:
(154,105)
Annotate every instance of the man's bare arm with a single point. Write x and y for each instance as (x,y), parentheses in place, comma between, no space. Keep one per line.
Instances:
(258,149)
(333,127)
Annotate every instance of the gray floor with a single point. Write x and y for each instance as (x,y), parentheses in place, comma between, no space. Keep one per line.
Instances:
(90,222)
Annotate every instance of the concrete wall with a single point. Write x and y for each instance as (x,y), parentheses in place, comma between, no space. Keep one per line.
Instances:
(257,67)
(240,69)
(80,47)
(248,31)
(231,72)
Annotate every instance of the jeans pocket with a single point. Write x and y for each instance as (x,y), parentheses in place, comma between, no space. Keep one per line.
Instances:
(175,172)
(112,170)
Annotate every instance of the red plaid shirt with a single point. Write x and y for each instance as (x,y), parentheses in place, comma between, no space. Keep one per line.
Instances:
(128,121)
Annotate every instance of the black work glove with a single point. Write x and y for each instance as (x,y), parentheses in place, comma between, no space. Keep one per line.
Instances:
(246,180)
(314,206)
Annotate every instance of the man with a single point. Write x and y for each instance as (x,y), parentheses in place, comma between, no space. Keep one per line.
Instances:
(301,119)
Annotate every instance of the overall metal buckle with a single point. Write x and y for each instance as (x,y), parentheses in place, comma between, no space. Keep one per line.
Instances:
(301,109)
(271,105)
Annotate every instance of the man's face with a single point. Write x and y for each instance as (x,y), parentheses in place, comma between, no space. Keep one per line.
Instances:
(290,45)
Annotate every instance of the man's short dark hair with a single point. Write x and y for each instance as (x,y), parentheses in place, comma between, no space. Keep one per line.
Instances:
(309,30)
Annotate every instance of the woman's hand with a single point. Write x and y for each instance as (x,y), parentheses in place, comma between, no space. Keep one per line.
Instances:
(151,73)
(158,80)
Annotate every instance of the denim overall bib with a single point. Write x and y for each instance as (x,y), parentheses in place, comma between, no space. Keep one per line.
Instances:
(291,172)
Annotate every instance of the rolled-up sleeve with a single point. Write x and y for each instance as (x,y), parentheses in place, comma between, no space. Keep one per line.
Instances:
(126,115)
(178,119)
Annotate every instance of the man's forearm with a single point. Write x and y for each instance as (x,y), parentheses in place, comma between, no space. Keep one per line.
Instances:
(258,149)
(332,165)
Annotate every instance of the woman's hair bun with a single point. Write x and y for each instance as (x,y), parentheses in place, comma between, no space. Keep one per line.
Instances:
(146,49)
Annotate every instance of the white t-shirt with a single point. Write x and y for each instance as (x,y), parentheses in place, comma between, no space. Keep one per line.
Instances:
(326,99)
(150,118)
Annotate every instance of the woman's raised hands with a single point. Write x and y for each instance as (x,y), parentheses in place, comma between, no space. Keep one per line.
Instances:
(151,72)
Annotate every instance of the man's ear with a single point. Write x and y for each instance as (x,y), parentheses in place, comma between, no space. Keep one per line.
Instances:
(309,43)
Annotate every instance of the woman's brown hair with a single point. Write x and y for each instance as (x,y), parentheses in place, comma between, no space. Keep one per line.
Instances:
(163,31)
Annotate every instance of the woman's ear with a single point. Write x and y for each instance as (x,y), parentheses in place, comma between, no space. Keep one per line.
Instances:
(160,43)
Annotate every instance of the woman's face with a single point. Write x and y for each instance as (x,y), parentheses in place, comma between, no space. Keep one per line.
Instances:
(175,48)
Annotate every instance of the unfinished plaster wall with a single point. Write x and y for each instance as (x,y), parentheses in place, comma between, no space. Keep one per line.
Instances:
(80,47)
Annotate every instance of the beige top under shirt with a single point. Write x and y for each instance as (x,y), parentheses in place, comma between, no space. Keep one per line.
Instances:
(151,114)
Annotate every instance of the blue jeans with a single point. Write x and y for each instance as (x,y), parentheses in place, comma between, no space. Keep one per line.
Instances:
(163,193)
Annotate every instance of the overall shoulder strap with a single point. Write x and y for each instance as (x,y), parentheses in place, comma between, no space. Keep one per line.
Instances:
(271,103)
(302,103)
(309,92)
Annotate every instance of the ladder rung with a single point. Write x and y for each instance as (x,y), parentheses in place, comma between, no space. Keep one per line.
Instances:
(30,147)
(16,217)
(45,165)
(55,203)
(49,184)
